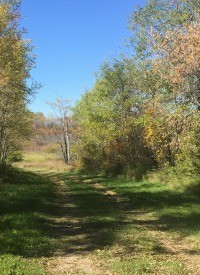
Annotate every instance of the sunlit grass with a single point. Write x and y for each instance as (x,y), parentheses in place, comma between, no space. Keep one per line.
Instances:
(115,229)
(16,265)
(26,209)
(146,207)
(114,233)
(176,211)
(41,161)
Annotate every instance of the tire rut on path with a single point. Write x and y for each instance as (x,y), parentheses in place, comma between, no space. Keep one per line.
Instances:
(189,257)
(76,258)
(79,259)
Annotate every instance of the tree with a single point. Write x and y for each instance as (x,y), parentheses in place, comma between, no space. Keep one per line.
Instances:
(16,61)
(178,62)
(140,111)
(180,56)
(158,17)
(165,41)
(62,124)
(111,131)
(43,129)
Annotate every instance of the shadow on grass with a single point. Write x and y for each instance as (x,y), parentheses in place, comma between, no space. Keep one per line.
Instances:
(86,219)
(175,210)
(26,204)
(95,219)
(38,220)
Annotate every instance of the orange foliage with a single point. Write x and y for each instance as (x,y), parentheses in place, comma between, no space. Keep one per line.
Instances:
(182,51)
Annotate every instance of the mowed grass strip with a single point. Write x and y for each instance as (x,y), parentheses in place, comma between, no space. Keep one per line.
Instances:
(152,207)
(171,210)
(111,230)
(26,207)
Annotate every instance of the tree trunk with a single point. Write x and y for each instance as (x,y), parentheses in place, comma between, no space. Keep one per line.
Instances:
(66,142)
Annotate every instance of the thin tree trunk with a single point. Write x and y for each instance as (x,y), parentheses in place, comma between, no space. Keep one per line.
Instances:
(66,142)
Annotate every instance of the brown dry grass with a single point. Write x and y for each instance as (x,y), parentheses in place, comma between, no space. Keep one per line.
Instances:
(42,161)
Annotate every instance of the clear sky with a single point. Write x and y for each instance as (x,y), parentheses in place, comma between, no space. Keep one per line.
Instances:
(72,39)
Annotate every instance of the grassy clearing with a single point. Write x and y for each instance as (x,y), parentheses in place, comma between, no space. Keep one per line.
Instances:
(42,161)
(113,229)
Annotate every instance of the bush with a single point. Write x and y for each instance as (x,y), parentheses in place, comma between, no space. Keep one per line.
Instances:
(90,166)
(7,173)
(113,169)
(135,173)
(178,177)
(15,156)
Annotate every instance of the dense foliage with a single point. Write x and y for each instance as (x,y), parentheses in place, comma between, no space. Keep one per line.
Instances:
(143,112)
(16,60)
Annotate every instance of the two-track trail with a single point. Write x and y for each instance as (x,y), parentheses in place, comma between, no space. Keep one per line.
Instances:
(75,239)
(85,220)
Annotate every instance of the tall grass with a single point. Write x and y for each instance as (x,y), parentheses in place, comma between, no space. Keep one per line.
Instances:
(43,161)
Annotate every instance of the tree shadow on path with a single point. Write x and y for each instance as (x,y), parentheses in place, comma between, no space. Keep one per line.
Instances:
(86,219)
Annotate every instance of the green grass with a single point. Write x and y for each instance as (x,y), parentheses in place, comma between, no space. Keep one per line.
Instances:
(175,211)
(25,213)
(115,230)
(12,265)
(112,231)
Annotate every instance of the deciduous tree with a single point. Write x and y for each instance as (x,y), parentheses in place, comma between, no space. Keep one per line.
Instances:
(16,61)
(62,125)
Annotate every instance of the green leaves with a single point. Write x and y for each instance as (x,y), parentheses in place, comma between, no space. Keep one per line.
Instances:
(16,61)
(135,115)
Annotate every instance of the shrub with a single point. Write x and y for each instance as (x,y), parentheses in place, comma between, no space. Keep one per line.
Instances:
(176,177)
(15,156)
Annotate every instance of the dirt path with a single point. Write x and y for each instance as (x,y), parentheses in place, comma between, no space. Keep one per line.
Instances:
(79,258)
(189,257)
(76,264)
(76,258)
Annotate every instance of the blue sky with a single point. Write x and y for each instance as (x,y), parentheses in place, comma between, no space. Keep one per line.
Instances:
(72,39)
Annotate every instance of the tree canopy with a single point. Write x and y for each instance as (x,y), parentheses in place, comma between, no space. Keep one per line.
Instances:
(16,61)
(143,111)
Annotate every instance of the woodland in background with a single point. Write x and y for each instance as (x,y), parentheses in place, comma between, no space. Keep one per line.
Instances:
(54,134)
(142,114)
